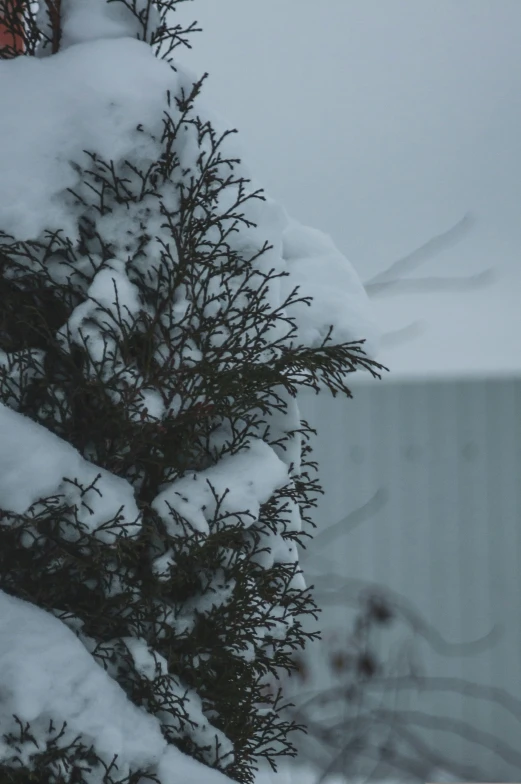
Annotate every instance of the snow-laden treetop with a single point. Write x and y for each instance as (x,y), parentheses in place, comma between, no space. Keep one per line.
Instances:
(91,95)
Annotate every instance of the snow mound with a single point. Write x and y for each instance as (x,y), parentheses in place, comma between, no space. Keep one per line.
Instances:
(46,673)
(91,96)
(35,464)
(90,20)
(256,473)
(319,269)
(235,487)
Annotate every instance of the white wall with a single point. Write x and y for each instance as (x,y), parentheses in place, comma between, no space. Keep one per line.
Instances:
(446,458)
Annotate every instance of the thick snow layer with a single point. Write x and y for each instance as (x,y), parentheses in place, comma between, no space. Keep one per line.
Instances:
(89,97)
(46,673)
(236,486)
(243,482)
(90,20)
(35,464)
(319,269)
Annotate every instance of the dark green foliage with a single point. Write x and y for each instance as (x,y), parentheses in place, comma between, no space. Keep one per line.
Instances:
(247,369)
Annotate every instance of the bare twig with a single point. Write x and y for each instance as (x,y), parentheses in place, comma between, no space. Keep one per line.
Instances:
(54,8)
(404,265)
(352,520)
(434,284)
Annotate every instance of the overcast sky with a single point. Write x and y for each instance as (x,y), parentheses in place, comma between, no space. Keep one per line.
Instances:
(382,122)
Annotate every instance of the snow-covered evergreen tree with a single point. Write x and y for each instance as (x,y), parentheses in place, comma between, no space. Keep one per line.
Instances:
(159,315)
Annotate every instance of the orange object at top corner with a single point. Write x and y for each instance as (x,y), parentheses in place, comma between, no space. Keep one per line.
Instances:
(9,37)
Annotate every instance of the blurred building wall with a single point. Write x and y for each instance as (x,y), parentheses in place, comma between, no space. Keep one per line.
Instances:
(434,470)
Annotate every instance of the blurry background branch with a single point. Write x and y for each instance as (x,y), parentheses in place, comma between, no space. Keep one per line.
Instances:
(392,280)
(364,693)
(54,15)
(364,725)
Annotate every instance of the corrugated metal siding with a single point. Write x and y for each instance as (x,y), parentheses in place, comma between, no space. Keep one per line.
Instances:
(446,456)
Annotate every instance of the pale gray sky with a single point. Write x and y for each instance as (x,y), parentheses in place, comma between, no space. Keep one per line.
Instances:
(382,122)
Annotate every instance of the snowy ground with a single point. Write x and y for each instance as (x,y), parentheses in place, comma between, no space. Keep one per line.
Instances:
(298,774)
